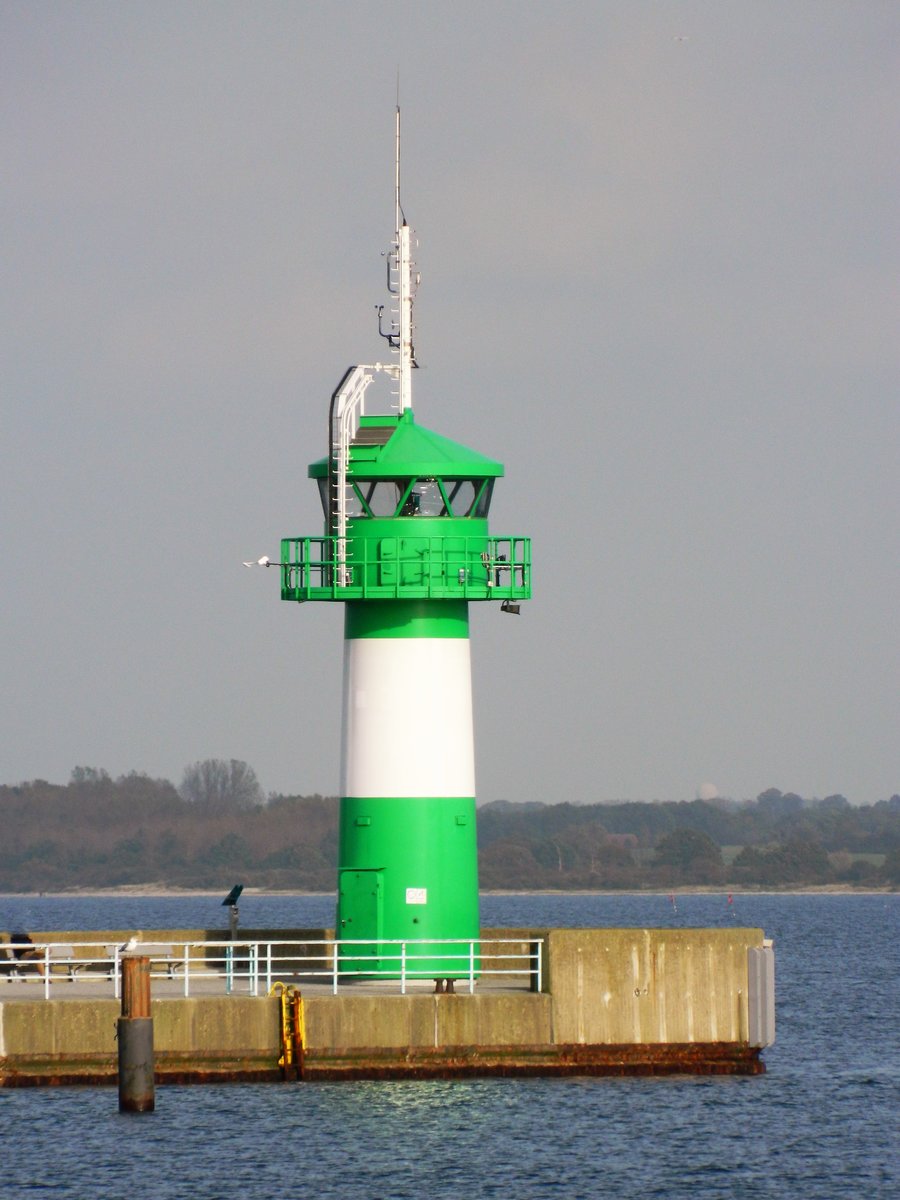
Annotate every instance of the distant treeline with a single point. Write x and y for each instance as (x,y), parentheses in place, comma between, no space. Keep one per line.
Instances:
(218,828)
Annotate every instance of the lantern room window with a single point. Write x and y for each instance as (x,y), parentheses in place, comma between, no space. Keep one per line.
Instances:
(423,497)
(446,498)
(461,494)
(469,497)
(381,497)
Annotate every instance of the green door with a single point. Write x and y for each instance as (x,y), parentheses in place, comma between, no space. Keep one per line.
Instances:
(360,916)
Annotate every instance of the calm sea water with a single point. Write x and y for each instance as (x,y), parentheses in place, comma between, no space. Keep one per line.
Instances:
(822,1123)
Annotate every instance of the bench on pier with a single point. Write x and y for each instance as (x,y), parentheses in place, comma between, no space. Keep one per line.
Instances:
(65,957)
(35,957)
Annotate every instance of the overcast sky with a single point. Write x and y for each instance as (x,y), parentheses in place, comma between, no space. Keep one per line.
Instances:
(658,246)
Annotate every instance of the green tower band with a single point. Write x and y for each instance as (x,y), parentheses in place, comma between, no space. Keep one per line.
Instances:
(408,854)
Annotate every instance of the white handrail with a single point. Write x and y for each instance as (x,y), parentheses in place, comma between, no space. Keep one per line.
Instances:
(250,963)
(348,409)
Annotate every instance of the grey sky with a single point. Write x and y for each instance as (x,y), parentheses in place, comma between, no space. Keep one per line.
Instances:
(659,282)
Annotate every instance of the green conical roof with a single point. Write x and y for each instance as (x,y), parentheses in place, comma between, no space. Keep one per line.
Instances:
(410,450)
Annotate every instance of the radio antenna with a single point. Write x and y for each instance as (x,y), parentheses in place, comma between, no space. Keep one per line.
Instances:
(404,281)
(400,285)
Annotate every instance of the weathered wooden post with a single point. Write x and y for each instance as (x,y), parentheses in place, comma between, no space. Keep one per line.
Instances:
(135,1034)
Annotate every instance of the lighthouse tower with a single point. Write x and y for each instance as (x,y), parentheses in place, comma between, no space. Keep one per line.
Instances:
(406,548)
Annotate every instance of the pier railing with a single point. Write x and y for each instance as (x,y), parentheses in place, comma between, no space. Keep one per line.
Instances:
(252,967)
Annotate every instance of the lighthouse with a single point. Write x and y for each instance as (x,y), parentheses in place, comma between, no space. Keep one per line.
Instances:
(406,549)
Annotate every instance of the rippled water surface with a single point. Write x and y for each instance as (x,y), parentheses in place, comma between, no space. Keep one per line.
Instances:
(822,1123)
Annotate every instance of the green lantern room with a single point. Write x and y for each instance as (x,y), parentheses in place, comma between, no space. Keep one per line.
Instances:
(406,519)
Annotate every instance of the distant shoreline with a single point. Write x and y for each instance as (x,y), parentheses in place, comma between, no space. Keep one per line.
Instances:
(159,892)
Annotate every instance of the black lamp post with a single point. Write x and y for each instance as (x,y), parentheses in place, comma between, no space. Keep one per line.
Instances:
(231,902)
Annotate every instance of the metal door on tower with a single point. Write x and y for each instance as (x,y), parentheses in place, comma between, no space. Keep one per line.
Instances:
(360,910)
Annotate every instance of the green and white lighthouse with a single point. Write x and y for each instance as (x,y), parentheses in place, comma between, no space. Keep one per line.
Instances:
(406,549)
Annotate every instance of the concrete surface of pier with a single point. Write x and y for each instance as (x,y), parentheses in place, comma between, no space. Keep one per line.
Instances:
(612,1001)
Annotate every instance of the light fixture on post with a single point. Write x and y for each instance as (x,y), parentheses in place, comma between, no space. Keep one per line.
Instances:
(231,903)
(509,607)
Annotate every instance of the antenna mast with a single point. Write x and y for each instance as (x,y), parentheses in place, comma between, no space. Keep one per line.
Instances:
(402,285)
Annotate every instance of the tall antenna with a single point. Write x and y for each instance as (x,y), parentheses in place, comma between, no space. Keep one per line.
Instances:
(399,218)
(400,284)
(404,281)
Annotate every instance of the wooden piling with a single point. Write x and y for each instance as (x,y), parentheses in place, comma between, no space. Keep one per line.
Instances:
(135,1037)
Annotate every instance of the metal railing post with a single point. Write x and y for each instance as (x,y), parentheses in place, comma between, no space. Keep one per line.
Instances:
(268,968)
(46,972)
(116,984)
(334,967)
(187,970)
(471,968)
(403,968)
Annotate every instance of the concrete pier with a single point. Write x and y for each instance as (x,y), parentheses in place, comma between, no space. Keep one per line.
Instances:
(613,1001)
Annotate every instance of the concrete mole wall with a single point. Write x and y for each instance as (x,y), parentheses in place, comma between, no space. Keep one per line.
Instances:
(71,1040)
(630,986)
(612,1001)
(427,1022)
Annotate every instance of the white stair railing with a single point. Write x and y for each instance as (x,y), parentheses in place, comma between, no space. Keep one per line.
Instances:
(349,407)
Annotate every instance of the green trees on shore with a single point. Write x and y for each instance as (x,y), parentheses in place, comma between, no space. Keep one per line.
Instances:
(103,832)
